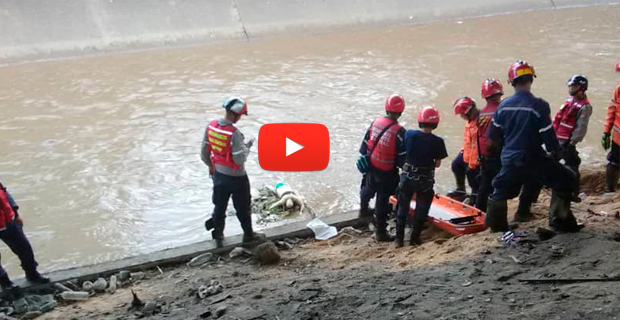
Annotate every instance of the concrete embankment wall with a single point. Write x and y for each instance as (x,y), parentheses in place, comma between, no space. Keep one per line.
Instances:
(32,29)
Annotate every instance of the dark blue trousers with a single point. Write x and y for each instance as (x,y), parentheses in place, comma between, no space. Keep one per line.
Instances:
(461,170)
(16,240)
(224,187)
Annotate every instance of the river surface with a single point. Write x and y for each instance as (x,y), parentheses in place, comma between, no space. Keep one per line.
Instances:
(102,153)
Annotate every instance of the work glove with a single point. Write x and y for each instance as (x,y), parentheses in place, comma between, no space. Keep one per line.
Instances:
(606,141)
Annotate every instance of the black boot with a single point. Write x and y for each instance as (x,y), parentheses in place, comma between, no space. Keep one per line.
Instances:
(11,291)
(416,232)
(366,212)
(611,178)
(400,233)
(458,194)
(524,212)
(560,216)
(497,215)
(35,277)
(381,234)
(249,236)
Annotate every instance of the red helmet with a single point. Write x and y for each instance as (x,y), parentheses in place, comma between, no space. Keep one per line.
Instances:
(618,66)
(491,87)
(464,105)
(395,103)
(519,69)
(428,115)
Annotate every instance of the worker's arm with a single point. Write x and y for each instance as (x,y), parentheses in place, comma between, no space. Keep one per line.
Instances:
(440,153)
(401,150)
(205,151)
(545,128)
(239,150)
(581,127)
(364,146)
(611,111)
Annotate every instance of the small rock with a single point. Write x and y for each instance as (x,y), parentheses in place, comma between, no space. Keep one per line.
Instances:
(219,312)
(124,275)
(487,300)
(237,252)
(20,305)
(440,241)
(200,260)
(557,251)
(257,297)
(87,286)
(512,300)
(149,307)
(267,253)
(206,314)
(291,241)
(469,297)
(544,234)
(467,284)
(137,275)
(31,314)
(100,285)
(564,295)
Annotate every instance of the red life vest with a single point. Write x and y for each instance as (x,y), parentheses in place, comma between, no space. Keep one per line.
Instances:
(7,214)
(484,120)
(220,138)
(566,118)
(383,156)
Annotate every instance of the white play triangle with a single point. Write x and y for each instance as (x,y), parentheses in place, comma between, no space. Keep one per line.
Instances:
(292,147)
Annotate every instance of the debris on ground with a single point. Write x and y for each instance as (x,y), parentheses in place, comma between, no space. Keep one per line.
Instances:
(267,253)
(200,260)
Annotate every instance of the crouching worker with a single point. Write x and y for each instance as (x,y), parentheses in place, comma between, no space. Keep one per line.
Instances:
(466,162)
(225,153)
(12,234)
(571,124)
(424,153)
(382,152)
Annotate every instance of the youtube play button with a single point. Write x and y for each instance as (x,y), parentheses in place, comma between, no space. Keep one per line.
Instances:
(293,147)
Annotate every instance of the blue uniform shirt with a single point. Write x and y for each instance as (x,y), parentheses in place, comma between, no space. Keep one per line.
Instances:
(424,148)
(523,123)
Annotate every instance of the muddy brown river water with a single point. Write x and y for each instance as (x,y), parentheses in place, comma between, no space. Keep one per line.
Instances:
(102,153)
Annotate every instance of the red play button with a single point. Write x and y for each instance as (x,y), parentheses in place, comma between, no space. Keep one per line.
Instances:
(293,147)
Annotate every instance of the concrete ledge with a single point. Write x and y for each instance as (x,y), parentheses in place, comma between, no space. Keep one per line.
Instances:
(183,254)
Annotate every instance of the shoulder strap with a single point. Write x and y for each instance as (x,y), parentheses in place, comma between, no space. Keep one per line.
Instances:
(379,137)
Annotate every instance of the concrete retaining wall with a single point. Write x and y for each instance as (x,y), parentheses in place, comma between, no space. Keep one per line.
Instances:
(31,29)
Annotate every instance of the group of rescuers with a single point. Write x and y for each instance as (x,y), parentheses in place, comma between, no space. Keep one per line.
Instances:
(502,158)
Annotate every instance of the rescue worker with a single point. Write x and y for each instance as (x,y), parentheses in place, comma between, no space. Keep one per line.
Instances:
(225,152)
(523,123)
(611,138)
(12,233)
(571,124)
(490,163)
(383,147)
(424,153)
(466,162)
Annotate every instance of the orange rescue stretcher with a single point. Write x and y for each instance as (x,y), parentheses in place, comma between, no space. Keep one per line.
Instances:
(451,216)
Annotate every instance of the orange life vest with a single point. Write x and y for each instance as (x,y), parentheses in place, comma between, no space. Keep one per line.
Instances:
(383,156)
(470,144)
(613,117)
(484,120)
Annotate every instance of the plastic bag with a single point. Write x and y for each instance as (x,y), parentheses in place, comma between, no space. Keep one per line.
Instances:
(321,230)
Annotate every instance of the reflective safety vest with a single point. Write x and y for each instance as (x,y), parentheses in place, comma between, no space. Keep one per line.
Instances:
(484,120)
(566,118)
(613,117)
(7,215)
(383,156)
(220,138)
(470,144)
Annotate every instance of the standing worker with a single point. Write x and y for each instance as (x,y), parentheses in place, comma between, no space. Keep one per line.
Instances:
(466,162)
(612,123)
(12,233)
(424,153)
(382,153)
(523,123)
(490,163)
(225,152)
(571,124)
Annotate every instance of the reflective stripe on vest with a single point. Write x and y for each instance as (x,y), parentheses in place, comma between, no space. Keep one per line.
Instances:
(220,139)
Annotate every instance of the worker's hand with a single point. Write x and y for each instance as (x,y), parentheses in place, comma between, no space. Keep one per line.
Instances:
(606,141)
(250,143)
(19,221)
(211,170)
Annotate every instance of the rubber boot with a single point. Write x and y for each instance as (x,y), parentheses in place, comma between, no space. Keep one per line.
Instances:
(458,194)
(497,215)
(11,291)
(35,277)
(524,212)
(560,216)
(381,234)
(366,212)
(399,241)
(249,235)
(416,232)
(611,178)
(218,231)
